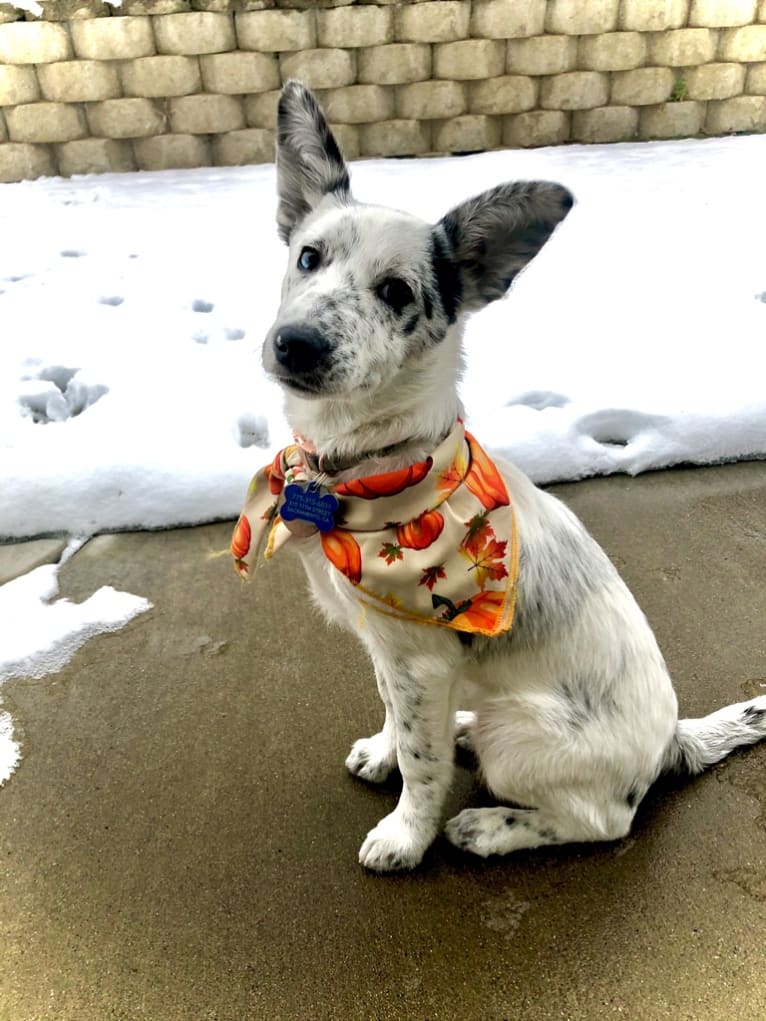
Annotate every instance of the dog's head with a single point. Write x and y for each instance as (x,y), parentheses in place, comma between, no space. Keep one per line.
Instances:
(371,294)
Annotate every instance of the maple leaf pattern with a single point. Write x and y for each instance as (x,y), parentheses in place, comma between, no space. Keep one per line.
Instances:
(486,560)
(431,575)
(449,479)
(390,552)
(479,531)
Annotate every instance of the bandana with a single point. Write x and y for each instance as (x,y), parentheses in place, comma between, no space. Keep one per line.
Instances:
(434,542)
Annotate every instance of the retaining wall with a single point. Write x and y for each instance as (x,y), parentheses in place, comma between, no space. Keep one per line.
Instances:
(90,87)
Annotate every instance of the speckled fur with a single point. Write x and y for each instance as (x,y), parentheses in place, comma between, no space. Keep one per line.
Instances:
(572,714)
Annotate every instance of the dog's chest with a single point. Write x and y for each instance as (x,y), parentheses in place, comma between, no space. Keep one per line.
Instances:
(333,594)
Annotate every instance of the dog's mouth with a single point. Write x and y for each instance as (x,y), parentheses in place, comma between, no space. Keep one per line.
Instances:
(304,387)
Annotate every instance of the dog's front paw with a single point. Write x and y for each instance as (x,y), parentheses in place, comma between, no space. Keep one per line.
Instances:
(391,846)
(371,759)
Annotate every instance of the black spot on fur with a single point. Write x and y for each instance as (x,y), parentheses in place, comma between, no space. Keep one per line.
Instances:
(632,797)
(465,638)
(452,230)
(753,716)
(580,709)
(410,325)
(447,278)
(543,609)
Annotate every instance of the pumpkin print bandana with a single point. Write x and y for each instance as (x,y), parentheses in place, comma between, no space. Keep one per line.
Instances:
(434,542)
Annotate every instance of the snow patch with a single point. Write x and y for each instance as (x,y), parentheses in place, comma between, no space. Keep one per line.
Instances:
(48,631)
(10,750)
(31,6)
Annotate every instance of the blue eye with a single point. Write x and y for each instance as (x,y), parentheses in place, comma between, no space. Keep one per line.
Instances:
(308,259)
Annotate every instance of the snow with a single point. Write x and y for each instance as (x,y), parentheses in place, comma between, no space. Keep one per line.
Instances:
(48,631)
(31,6)
(10,750)
(38,9)
(131,391)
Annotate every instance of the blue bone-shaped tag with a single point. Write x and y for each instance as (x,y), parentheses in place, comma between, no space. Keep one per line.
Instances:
(311,503)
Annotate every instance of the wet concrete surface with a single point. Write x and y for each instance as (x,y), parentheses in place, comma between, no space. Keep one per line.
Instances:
(19,558)
(180,839)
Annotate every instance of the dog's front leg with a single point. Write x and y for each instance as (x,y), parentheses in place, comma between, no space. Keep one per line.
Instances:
(374,758)
(420,689)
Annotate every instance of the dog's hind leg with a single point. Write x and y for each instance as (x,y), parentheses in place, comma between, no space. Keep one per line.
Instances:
(374,758)
(486,831)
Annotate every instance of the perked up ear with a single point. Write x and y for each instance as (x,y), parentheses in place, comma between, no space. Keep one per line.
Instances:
(309,162)
(491,238)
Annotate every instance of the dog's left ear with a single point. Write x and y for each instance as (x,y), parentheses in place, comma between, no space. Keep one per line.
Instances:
(491,238)
(309,161)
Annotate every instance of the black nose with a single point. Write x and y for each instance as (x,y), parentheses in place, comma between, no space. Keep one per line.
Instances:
(300,349)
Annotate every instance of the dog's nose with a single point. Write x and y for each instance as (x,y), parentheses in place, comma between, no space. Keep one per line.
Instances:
(300,349)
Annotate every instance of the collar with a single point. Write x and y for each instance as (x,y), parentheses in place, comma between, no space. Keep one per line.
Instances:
(321,464)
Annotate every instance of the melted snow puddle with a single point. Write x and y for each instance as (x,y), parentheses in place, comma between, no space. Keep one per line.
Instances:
(47,632)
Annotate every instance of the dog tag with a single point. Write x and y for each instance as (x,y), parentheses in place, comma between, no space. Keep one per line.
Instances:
(311,503)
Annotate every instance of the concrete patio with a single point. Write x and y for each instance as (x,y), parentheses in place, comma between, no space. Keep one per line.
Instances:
(180,840)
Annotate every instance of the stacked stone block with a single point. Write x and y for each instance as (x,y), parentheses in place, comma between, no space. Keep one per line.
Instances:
(90,87)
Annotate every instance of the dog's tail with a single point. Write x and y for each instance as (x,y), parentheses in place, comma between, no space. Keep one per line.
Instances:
(698,744)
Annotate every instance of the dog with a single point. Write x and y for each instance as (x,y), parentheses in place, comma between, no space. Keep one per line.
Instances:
(570,710)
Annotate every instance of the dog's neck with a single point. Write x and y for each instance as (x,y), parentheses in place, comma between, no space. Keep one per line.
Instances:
(398,425)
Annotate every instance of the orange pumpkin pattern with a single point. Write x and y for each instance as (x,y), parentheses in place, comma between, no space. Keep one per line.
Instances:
(343,552)
(385,484)
(276,485)
(483,479)
(240,542)
(422,532)
(434,543)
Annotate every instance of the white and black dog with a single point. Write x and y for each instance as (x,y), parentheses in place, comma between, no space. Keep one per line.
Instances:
(571,713)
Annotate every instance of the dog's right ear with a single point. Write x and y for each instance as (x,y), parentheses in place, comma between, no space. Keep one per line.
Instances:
(309,162)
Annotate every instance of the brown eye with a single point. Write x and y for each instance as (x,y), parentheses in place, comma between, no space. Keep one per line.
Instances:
(308,259)
(395,293)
